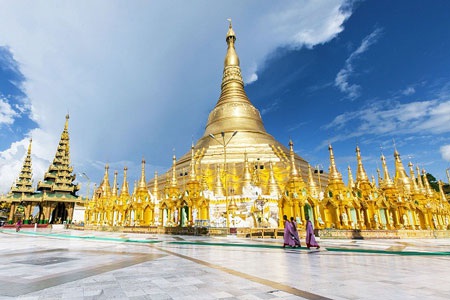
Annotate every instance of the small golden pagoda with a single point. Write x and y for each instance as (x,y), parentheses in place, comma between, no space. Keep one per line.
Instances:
(238,175)
(55,197)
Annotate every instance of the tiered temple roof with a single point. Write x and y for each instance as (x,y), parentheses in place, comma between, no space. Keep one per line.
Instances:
(59,178)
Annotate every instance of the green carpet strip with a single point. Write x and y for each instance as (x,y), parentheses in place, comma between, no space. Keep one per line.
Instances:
(370,251)
(373,251)
(235,245)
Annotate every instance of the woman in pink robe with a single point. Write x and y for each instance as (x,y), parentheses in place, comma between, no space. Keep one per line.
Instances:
(295,236)
(310,238)
(288,241)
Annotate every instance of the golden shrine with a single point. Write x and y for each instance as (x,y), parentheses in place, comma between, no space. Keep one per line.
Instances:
(238,175)
(54,199)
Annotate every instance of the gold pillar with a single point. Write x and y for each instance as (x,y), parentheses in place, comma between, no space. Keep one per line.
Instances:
(12,210)
(302,216)
(358,217)
(316,216)
(338,218)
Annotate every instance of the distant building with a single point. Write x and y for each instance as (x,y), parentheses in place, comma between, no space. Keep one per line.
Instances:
(54,200)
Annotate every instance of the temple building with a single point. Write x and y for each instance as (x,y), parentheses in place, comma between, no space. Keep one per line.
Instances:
(54,199)
(238,175)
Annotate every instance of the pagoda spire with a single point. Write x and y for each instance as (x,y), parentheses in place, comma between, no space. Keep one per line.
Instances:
(419,181)
(233,111)
(142,182)
(415,188)
(401,178)
(334,176)
(115,186)
(247,175)
(193,175)
(135,189)
(428,189)
(218,186)
(155,186)
(311,183)
(294,171)
(380,180)
(273,186)
(173,181)
(124,190)
(362,180)
(387,181)
(104,185)
(24,183)
(361,175)
(59,177)
(351,182)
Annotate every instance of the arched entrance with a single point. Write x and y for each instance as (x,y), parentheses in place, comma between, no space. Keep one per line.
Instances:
(309,212)
(184,216)
(59,214)
(36,214)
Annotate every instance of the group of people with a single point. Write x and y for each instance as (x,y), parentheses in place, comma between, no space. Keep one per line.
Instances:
(291,237)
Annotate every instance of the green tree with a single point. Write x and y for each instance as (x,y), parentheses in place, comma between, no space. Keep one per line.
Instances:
(433,182)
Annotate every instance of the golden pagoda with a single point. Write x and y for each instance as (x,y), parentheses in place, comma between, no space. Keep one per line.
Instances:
(234,174)
(238,175)
(55,196)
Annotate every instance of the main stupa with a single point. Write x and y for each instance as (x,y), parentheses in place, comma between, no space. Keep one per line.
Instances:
(236,162)
(235,114)
(238,176)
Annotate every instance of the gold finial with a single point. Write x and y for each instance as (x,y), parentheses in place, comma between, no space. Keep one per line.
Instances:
(230,33)
(29,146)
(66,125)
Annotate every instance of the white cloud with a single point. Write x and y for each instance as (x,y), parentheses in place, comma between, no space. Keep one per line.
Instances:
(408,91)
(388,118)
(127,74)
(253,77)
(7,113)
(445,152)
(343,76)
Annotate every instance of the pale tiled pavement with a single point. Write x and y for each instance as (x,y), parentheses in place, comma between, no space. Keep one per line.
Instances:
(98,265)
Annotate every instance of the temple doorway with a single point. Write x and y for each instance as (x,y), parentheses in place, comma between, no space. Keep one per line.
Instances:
(59,214)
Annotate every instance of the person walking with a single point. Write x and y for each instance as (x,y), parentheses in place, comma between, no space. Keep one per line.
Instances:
(295,236)
(18,225)
(288,232)
(310,238)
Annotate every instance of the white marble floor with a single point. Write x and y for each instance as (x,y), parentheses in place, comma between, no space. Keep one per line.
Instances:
(98,265)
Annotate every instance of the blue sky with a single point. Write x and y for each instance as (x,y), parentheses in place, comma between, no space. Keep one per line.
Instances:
(140,78)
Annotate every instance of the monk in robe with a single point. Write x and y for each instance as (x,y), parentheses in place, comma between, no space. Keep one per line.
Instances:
(288,232)
(310,238)
(295,236)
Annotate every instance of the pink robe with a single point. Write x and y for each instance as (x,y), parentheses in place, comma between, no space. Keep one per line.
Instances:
(288,241)
(310,238)
(296,238)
